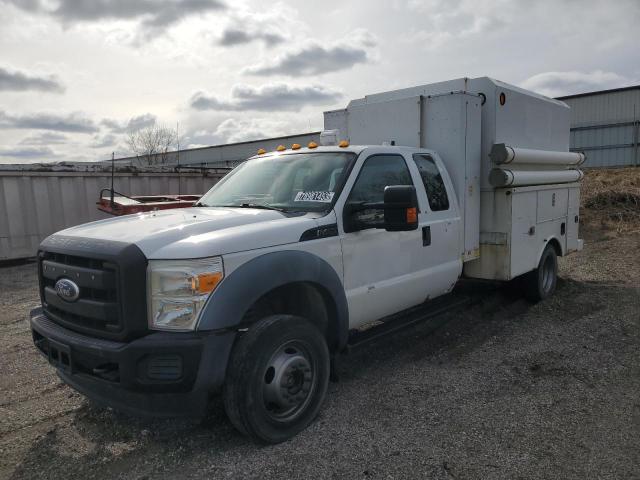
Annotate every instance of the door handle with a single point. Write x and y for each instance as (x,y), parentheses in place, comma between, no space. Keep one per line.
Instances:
(426,236)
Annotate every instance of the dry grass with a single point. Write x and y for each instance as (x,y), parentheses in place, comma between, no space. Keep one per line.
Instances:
(611,199)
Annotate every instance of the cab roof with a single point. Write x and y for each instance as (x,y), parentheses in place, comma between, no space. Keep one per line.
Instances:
(357,149)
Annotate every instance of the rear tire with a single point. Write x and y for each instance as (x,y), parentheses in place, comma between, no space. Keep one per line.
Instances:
(277,378)
(540,283)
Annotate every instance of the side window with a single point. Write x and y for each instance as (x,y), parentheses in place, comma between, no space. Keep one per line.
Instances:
(377,172)
(433,183)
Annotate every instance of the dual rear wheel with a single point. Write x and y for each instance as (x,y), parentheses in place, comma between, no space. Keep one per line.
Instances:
(540,283)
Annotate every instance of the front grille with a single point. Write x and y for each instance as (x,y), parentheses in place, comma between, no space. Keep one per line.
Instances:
(111,277)
(97,309)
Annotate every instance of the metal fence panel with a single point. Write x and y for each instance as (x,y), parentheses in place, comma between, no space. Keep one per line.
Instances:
(38,202)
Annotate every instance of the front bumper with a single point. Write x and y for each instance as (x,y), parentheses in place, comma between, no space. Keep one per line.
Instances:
(160,374)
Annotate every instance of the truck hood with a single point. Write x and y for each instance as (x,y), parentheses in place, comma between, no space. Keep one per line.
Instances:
(198,232)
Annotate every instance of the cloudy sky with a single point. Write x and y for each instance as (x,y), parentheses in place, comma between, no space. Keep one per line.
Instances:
(76,75)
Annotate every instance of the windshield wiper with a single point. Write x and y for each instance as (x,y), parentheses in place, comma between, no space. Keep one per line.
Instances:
(262,206)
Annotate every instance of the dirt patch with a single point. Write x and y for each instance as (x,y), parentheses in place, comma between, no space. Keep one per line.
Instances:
(611,201)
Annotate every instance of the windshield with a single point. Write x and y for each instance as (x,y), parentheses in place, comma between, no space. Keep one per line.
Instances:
(297,182)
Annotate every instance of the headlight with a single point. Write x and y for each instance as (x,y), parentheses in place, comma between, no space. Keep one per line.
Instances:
(178,289)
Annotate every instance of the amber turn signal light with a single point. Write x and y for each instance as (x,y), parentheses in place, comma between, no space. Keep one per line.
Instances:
(205,282)
(412,215)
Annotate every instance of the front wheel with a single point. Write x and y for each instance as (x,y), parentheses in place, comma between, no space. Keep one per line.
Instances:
(540,283)
(277,378)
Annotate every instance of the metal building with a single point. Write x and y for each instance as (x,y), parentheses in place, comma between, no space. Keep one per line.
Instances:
(605,125)
(227,155)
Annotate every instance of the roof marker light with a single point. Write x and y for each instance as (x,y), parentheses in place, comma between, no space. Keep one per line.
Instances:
(261,151)
(312,145)
(295,146)
(281,148)
(343,143)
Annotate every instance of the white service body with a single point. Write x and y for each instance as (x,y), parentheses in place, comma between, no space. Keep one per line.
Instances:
(468,122)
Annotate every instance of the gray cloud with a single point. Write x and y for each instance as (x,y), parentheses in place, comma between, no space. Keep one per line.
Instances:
(555,84)
(132,125)
(73,122)
(279,96)
(45,138)
(240,36)
(313,59)
(108,140)
(152,13)
(27,152)
(19,81)
(231,130)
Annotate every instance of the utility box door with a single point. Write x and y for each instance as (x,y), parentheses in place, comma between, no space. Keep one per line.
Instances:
(392,121)
(573,218)
(524,234)
(552,204)
(451,125)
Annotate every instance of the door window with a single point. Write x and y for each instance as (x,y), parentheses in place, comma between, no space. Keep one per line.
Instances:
(433,183)
(377,172)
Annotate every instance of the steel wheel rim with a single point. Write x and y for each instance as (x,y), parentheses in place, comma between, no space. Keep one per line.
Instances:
(289,381)
(547,274)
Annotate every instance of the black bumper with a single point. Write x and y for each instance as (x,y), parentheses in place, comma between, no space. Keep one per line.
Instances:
(160,374)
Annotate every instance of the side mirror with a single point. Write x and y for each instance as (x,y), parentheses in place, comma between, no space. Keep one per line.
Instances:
(400,208)
(398,212)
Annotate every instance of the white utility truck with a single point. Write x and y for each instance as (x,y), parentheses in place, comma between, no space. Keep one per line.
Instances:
(255,290)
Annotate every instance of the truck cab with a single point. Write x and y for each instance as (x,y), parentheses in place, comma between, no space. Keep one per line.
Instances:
(252,292)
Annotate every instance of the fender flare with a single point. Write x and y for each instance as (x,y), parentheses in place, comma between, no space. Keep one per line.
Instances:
(228,304)
(552,238)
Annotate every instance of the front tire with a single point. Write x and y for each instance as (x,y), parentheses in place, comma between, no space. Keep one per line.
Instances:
(540,283)
(277,378)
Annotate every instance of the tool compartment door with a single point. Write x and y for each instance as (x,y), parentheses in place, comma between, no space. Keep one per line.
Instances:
(573,219)
(524,231)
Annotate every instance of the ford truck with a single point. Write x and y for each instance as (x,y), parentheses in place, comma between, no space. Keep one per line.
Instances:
(252,293)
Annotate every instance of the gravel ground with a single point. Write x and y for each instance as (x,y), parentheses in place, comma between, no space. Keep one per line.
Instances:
(503,390)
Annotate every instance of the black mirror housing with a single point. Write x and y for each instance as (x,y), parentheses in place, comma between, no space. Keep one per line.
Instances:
(400,208)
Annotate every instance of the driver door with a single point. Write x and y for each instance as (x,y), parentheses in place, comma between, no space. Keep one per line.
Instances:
(380,267)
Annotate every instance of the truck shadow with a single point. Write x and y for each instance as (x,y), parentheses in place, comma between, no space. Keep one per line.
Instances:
(452,336)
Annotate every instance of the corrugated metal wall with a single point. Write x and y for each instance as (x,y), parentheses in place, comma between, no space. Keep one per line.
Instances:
(606,127)
(35,204)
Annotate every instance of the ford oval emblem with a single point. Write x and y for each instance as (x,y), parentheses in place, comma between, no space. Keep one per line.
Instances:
(67,290)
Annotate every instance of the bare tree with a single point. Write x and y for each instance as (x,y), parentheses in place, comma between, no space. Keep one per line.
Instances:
(152,143)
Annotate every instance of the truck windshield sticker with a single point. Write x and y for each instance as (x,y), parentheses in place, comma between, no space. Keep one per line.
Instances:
(324,197)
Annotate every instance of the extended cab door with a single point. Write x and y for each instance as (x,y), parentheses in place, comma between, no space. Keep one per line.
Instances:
(440,223)
(386,272)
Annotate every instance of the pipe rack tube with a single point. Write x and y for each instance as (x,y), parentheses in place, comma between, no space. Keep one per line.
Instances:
(504,154)
(499,177)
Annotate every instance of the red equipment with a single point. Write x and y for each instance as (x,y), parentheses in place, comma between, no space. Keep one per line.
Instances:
(118,204)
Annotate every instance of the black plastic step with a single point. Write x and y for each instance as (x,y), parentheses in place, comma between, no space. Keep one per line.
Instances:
(427,311)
